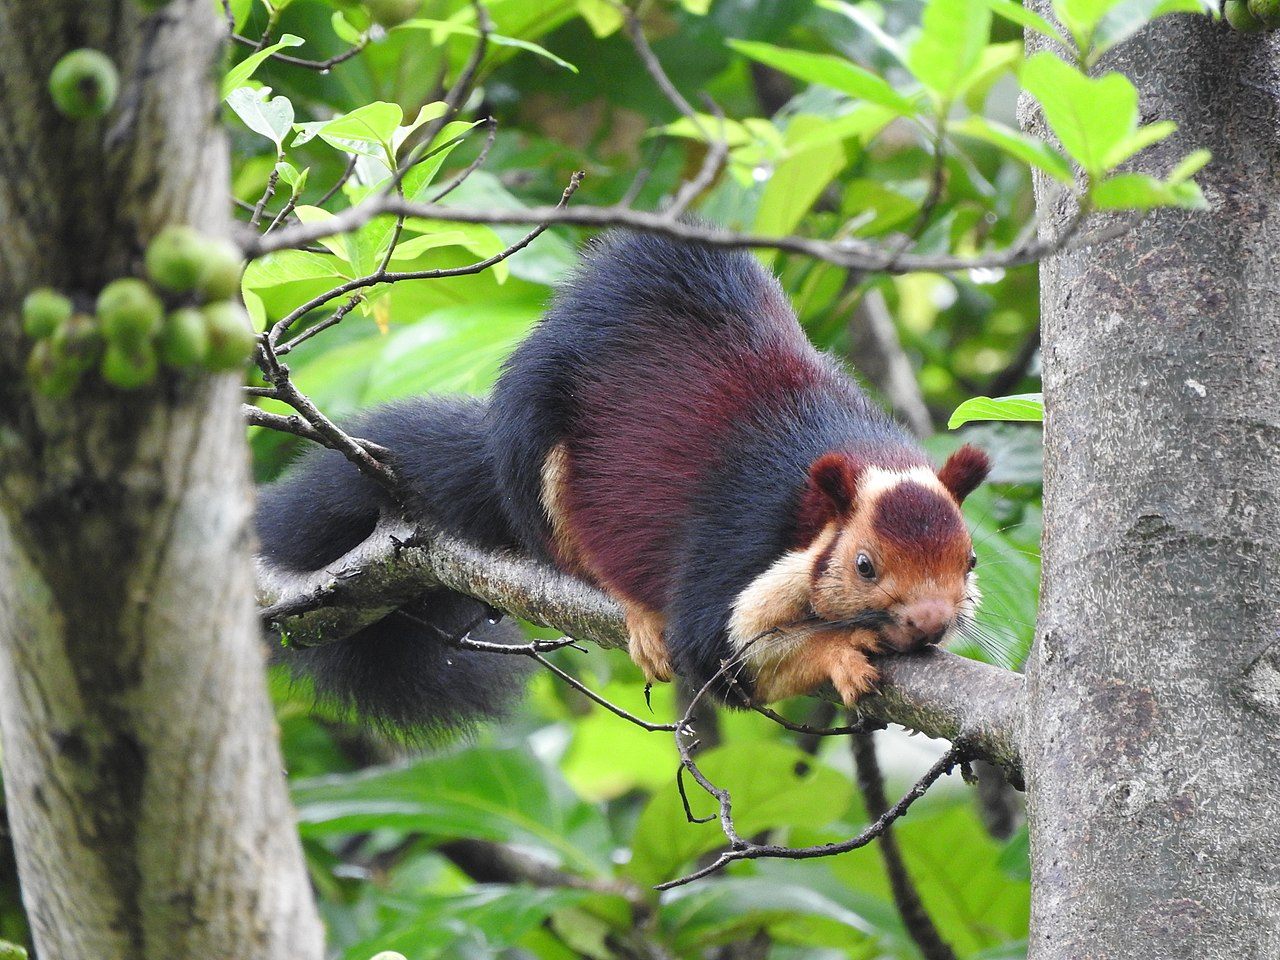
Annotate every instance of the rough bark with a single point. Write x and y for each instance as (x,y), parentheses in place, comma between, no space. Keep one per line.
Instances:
(141,768)
(1153,727)
(935,692)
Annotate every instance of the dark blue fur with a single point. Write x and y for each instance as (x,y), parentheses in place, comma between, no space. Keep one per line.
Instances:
(397,672)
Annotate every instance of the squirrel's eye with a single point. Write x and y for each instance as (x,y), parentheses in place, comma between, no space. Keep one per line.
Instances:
(973,559)
(866,569)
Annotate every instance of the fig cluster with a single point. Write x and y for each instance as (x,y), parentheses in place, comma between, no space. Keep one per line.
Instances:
(185,316)
(1252,16)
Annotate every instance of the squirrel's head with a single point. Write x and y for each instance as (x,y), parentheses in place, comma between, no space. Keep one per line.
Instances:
(896,555)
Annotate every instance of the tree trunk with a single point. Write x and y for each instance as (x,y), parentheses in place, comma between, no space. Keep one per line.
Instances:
(1152,744)
(140,759)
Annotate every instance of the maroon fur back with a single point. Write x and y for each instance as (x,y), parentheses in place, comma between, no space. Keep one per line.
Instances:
(652,425)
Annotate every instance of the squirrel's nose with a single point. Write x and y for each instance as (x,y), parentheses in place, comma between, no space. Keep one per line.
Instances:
(928,620)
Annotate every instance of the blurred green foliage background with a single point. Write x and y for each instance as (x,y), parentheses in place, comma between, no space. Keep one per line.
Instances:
(566,784)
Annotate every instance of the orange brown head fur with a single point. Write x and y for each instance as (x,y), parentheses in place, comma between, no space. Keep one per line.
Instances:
(899,554)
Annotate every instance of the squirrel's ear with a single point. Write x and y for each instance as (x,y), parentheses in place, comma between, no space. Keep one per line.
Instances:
(835,476)
(964,470)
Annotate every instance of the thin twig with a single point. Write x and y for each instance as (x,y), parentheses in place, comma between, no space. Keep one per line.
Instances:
(346,175)
(331,321)
(277,374)
(298,427)
(321,66)
(491,126)
(745,850)
(267,194)
(845,252)
(280,327)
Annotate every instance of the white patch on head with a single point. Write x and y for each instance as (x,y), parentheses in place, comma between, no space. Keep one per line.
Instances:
(874,481)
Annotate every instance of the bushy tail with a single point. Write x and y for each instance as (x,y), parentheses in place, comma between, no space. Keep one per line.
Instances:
(401,672)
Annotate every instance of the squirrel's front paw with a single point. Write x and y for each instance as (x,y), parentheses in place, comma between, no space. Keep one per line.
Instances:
(852,675)
(646,646)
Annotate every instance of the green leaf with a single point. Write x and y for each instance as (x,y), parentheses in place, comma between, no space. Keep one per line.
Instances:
(344,28)
(1190,165)
(453,350)
(834,72)
(243,70)
(955,866)
(1025,406)
(953,35)
(603,17)
(1028,149)
(868,23)
(429,112)
(336,243)
(1142,138)
(490,794)
(733,908)
(443,28)
(862,123)
(732,132)
(798,180)
(374,123)
(1090,117)
(996,60)
(292,177)
(699,8)
(767,793)
(270,116)
(1137,191)
(1081,17)
(1014,11)
(875,208)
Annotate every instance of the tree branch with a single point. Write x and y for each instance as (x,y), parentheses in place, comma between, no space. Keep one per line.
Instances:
(937,693)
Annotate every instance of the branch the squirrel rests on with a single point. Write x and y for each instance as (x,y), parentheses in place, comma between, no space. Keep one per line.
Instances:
(668,435)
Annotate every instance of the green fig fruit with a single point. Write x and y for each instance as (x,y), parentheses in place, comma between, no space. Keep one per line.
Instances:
(1266,11)
(1238,15)
(184,340)
(78,342)
(231,339)
(129,311)
(43,311)
(392,13)
(129,367)
(84,84)
(175,257)
(49,373)
(220,269)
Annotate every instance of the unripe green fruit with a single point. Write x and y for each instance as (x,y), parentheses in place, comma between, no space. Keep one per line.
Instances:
(230,338)
(78,342)
(391,13)
(129,367)
(130,313)
(43,311)
(84,84)
(184,340)
(219,275)
(1238,15)
(175,257)
(49,373)
(1267,11)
